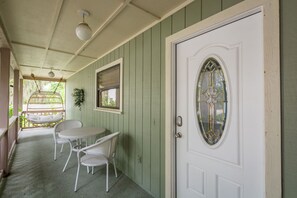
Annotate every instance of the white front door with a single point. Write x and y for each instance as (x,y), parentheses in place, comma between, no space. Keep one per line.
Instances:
(220,112)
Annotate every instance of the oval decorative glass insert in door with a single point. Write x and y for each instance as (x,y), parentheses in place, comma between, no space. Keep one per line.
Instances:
(211,101)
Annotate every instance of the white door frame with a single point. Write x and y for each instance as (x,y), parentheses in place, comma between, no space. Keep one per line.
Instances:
(270,10)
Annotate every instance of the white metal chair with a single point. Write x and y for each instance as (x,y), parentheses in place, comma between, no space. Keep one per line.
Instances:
(64,125)
(101,152)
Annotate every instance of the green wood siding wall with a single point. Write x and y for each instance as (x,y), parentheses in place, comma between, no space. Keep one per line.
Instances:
(289,96)
(141,150)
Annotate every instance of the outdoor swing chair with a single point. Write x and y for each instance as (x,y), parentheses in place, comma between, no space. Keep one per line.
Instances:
(45,108)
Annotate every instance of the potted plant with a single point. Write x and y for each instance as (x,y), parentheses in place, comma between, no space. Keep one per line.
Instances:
(79,97)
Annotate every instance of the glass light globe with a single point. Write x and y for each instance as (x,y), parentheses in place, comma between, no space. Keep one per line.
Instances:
(83,31)
(51,74)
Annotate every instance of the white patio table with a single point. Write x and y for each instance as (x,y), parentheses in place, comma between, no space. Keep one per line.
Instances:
(78,133)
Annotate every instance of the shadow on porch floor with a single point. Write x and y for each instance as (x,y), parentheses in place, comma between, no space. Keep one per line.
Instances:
(34,173)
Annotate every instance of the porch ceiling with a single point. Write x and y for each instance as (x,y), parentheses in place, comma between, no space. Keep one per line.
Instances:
(41,33)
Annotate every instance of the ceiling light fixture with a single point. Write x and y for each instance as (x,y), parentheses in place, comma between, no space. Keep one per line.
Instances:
(83,30)
(51,73)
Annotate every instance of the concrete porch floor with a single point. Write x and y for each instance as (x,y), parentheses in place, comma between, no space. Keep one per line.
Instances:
(34,173)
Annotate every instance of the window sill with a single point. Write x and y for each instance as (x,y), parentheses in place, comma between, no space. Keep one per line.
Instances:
(117,111)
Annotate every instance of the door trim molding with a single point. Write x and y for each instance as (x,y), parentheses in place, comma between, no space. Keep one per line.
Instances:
(270,10)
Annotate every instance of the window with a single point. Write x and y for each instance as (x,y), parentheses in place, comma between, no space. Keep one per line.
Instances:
(109,87)
(211,101)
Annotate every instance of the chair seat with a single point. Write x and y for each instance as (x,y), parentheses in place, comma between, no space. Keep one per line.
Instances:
(100,153)
(95,151)
(62,141)
(93,160)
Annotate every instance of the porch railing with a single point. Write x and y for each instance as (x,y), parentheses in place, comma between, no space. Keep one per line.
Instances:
(25,123)
(8,139)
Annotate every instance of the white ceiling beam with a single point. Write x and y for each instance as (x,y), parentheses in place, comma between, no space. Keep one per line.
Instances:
(100,29)
(27,45)
(49,49)
(38,67)
(144,10)
(44,78)
(53,28)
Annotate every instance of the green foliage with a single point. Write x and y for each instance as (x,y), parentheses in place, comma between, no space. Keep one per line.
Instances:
(22,120)
(108,102)
(10,113)
(79,97)
(60,88)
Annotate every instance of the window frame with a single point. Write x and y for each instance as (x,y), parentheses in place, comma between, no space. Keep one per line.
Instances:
(105,67)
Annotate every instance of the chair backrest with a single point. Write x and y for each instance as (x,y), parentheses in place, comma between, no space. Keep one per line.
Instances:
(114,139)
(66,124)
(105,145)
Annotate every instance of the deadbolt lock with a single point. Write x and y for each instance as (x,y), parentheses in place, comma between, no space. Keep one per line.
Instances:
(179,121)
(178,135)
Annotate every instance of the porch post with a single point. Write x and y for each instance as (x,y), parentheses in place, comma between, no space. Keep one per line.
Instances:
(16,93)
(16,83)
(21,95)
(4,106)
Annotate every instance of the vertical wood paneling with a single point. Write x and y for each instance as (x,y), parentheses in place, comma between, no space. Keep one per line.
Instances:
(139,103)
(165,31)
(99,114)
(84,116)
(132,110)
(126,105)
(92,105)
(116,116)
(83,107)
(121,124)
(193,13)
(179,20)
(93,113)
(106,115)
(102,114)
(87,97)
(156,110)
(229,3)
(109,115)
(85,86)
(210,7)
(112,115)
(289,96)
(147,51)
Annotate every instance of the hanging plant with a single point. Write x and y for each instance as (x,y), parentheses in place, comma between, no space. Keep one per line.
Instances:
(79,97)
